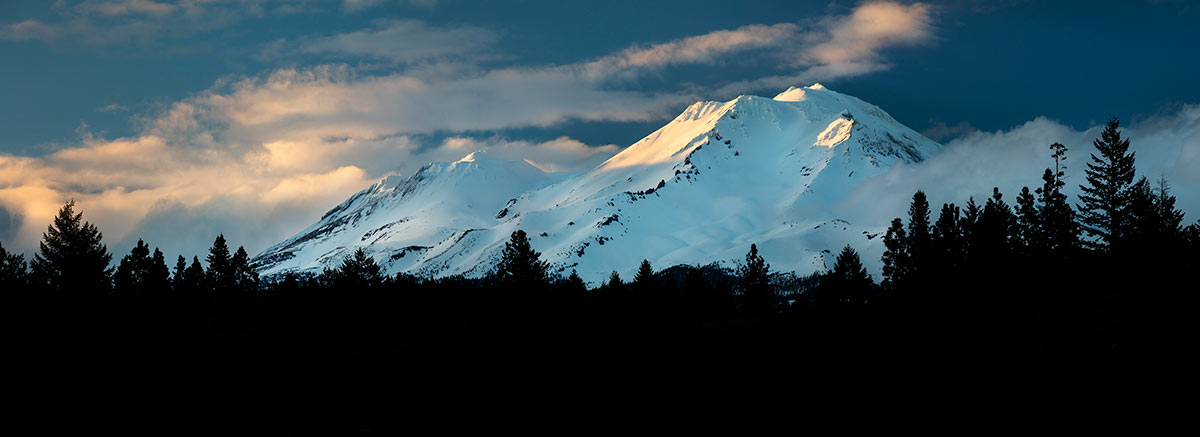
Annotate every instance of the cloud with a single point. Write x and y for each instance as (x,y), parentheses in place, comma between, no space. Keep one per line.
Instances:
(29,29)
(844,46)
(126,7)
(112,107)
(9,223)
(561,154)
(700,49)
(141,22)
(393,40)
(359,5)
(851,44)
(1167,144)
(940,131)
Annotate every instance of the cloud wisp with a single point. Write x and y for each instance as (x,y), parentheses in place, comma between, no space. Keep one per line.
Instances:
(142,22)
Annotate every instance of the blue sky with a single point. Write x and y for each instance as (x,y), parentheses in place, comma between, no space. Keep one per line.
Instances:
(252,117)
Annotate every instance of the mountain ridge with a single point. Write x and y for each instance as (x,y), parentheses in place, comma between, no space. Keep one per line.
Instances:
(700,189)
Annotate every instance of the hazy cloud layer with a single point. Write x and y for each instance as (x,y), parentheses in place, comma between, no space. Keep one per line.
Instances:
(1165,145)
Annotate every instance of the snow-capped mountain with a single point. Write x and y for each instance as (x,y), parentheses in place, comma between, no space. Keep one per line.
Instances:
(701,189)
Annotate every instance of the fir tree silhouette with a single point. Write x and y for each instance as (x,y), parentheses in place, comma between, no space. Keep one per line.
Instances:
(1109,179)
(644,281)
(357,272)
(848,281)
(140,273)
(71,257)
(896,261)
(753,280)
(220,274)
(520,266)
(13,270)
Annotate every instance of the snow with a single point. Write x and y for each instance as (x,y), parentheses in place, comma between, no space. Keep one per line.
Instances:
(701,189)
(837,132)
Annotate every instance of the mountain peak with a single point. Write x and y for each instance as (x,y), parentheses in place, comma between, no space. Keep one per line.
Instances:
(477,156)
(796,94)
(695,191)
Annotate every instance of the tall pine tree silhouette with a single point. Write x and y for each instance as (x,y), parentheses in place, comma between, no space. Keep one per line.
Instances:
(1105,195)
(1029,229)
(947,237)
(753,280)
(1059,231)
(245,278)
(521,266)
(220,274)
(71,257)
(644,281)
(896,262)
(848,281)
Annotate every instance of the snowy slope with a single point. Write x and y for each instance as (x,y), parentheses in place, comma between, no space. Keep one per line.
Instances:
(701,189)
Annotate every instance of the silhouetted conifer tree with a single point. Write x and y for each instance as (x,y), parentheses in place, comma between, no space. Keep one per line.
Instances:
(896,262)
(753,280)
(245,278)
(1154,223)
(1109,179)
(614,282)
(644,281)
(12,269)
(521,266)
(71,257)
(848,281)
(1170,220)
(918,230)
(1029,236)
(947,237)
(177,274)
(357,272)
(574,283)
(194,279)
(220,274)
(139,272)
(970,219)
(1059,231)
(994,230)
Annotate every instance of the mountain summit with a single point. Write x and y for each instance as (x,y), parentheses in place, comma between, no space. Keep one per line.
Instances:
(701,189)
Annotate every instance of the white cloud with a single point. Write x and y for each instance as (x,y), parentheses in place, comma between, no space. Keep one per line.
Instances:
(392,40)
(852,43)
(700,49)
(844,46)
(1167,144)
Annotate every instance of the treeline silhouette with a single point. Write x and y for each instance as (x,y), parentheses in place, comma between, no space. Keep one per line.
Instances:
(992,317)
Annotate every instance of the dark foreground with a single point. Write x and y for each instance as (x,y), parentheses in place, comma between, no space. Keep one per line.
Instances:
(1106,356)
